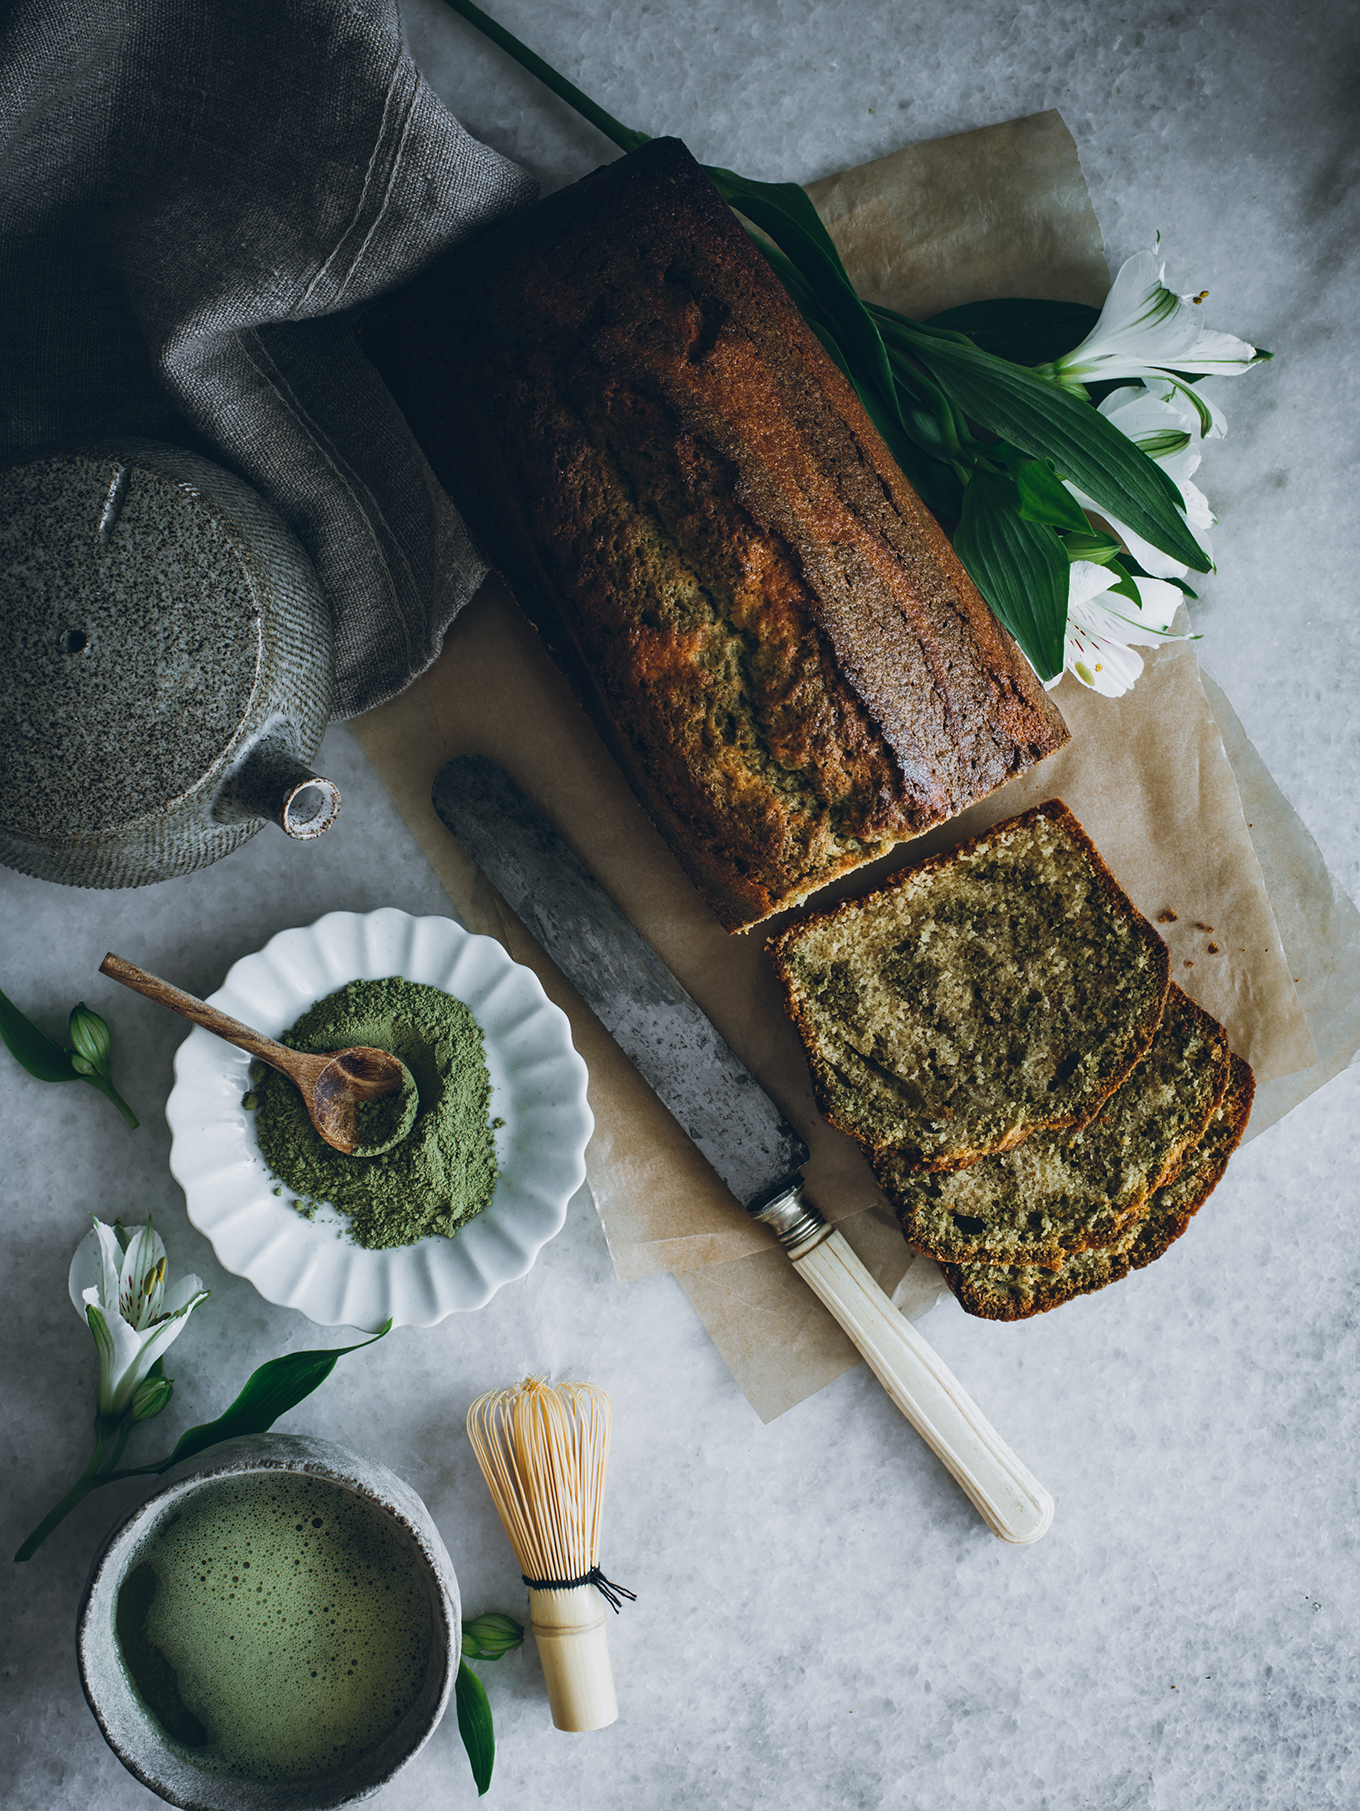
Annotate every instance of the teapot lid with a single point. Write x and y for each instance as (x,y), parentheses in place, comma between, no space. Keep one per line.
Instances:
(130,635)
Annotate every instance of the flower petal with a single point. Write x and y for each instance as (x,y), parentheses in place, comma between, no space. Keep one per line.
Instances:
(1103,666)
(1100,635)
(1217,355)
(1150,558)
(139,1286)
(93,1268)
(103,1339)
(154,1343)
(128,1364)
(1145,329)
(1086,579)
(178,1295)
(1138,409)
(1113,616)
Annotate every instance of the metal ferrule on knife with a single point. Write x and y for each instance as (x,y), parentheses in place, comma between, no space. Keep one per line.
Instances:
(794,1221)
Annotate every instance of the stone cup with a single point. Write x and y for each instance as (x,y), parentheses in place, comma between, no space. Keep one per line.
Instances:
(132,1731)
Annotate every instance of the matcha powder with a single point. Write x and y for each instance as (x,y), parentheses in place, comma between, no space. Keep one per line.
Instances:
(444,1171)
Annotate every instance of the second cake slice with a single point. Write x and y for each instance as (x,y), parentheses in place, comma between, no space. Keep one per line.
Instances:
(1005,1292)
(1064,1192)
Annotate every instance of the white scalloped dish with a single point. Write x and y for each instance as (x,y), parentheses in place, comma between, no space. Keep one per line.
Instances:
(538,1087)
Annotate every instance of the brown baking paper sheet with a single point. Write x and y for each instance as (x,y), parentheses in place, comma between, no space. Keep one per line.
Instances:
(1148,775)
(1003,211)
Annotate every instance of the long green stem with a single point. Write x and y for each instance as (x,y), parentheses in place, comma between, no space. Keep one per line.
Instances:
(84,1484)
(92,1478)
(105,1086)
(623,136)
(117,1452)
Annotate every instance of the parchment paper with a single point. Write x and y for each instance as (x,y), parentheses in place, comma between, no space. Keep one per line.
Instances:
(1004,211)
(1147,775)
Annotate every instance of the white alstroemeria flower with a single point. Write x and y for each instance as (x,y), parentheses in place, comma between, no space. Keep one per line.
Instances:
(134,1315)
(1150,415)
(1145,330)
(1101,629)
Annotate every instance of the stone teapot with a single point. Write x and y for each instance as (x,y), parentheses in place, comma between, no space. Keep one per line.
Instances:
(166,666)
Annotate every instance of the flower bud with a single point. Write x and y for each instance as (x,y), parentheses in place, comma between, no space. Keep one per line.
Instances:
(488,1637)
(91,1039)
(150,1397)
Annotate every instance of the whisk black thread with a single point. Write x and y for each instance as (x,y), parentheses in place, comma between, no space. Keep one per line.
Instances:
(609,1591)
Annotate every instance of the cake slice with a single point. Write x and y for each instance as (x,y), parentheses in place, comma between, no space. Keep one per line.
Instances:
(1062,1192)
(1005,1292)
(1003,988)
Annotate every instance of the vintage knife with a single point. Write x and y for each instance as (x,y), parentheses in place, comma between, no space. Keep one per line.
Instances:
(729,1116)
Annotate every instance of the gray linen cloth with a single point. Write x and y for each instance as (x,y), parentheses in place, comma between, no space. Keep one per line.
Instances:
(193,196)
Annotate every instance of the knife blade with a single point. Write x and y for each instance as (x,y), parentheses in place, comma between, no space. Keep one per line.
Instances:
(730,1117)
(659,1027)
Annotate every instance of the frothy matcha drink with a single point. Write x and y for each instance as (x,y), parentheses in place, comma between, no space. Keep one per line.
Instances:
(277,1627)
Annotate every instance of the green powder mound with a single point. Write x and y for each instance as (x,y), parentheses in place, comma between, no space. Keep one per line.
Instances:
(444,1171)
(379,1123)
(277,1628)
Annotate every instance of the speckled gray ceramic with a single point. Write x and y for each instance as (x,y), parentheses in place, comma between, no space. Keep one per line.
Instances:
(166,668)
(139,1742)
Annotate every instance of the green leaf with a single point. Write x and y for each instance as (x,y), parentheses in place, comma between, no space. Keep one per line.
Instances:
(269,1392)
(1023,331)
(1046,422)
(1124,585)
(1018,566)
(474,1724)
(33,1048)
(1043,497)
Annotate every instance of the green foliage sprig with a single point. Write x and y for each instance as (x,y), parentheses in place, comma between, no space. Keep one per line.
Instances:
(487,1637)
(269,1392)
(86,1061)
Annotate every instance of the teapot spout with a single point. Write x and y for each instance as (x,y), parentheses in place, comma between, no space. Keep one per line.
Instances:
(272,783)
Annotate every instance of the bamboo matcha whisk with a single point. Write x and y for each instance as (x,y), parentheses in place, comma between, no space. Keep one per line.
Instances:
(543,1450)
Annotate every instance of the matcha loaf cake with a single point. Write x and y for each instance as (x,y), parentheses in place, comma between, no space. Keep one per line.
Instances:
(1062,1192)
(991,992)
(1007,1292)
(769,630)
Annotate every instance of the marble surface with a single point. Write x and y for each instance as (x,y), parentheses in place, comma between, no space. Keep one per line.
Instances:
(822,1621)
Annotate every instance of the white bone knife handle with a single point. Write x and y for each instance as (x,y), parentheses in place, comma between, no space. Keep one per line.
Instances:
(1010,1499)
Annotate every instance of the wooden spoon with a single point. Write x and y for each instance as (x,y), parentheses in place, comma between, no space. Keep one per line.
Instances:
(333,1085)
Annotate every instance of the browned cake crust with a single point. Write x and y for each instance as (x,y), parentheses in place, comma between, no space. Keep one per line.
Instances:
(1004,1292)
(770,631)
(890,1113)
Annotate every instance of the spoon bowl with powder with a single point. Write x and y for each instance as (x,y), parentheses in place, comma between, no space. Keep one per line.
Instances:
(362,1101)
